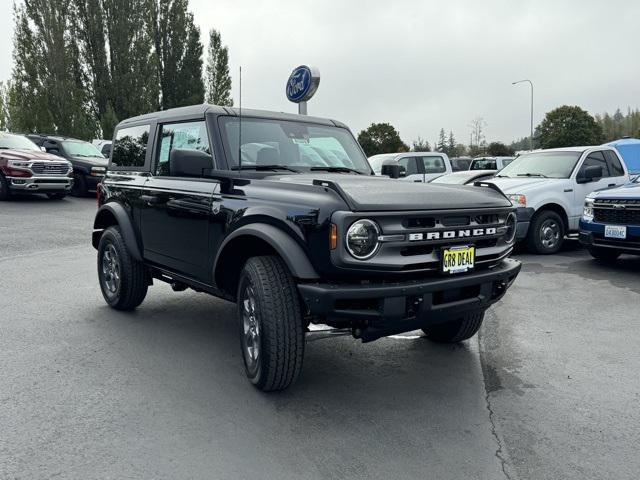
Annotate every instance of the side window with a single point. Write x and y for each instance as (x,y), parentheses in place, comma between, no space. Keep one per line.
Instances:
(130,146)
(185,136)
(596,159)
(615,167)
(433,164)
(410,164)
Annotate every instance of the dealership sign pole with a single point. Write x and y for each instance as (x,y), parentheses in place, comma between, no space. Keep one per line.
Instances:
(302,85)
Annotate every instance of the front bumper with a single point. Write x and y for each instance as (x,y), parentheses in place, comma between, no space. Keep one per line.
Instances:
(92,182)
(38,184)
(523,216)
(592,235)
(382,309)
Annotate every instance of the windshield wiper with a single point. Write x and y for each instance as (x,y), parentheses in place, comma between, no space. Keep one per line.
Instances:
(335,169)
(265,167)
(532,175)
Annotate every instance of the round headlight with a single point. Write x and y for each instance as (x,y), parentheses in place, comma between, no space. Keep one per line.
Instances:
(362,239)
(510,223)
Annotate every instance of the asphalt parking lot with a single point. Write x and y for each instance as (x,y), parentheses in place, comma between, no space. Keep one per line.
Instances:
(550,388)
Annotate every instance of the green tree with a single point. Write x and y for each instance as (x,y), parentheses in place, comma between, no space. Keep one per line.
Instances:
(451,144)
(48,88)
(4,107)
(499,149)
(441,146)
(381,138)
(619,125)
(421,145)
(178,53)
(218,81)
(116,49)
(568,126)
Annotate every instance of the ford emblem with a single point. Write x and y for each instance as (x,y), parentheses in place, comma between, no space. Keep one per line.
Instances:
(302,84)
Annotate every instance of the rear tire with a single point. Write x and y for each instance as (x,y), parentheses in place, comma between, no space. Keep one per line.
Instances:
(123,279)
(79,187)
(546,233)
(604,254)
(456,331)
(5,193)
(270,324)
(56,196)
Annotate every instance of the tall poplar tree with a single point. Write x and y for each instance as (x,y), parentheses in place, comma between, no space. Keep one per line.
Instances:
(218,81)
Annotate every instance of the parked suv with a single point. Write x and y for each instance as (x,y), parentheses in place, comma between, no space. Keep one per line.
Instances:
(610,224)
(417,166)
(247,210)
(89,164)
(548,187)
(490,163)
(24,168)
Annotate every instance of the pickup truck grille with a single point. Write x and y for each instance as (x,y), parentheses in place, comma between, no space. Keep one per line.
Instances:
(620,212)
(49,168)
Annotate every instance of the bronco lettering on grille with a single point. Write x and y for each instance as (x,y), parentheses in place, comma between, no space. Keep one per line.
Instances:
(448,234)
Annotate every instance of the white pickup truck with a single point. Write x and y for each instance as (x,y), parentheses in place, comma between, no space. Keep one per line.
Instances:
(548,187)
(417,166)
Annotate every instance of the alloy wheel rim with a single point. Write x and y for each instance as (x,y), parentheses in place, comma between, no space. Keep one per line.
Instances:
(250,328)
(550,234)
(111,268)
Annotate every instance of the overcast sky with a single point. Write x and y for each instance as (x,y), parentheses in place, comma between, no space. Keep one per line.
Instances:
(422,65)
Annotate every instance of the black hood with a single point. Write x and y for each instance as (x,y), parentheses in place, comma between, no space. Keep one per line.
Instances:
(378,193)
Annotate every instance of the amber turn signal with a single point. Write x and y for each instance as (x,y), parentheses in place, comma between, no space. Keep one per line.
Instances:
(333,236)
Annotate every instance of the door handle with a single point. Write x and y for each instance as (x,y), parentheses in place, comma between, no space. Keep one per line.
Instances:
(149,199)
(612,184)
(417,181)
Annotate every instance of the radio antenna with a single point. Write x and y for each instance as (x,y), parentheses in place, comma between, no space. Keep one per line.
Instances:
(240,126)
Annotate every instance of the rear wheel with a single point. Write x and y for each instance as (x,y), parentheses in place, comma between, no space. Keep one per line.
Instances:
(546,233)
(604,254)
(455,331)
(270,324)
(5,193)
(79,187)
(123,279)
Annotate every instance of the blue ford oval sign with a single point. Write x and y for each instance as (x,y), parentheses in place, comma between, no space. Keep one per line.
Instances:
(302,84)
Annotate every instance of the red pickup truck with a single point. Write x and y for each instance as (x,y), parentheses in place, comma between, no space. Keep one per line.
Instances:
(24,168)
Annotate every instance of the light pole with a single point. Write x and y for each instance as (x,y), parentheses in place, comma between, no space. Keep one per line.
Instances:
(530,83)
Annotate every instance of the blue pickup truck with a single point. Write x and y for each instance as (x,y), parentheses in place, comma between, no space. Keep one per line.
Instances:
(610,224)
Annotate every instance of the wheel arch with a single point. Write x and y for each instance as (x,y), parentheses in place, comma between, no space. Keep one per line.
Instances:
(253,240)
(111,214)
(557,208)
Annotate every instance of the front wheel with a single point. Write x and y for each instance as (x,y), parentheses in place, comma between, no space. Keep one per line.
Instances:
(546,233)
(123,279)
(604,254)
(457,330)
(270,324)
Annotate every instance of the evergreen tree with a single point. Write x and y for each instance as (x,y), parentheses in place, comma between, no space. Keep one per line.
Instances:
(568,126)
(48,89)
(421,145)
(4,107)
(218,81)
(178,53)
(451,146)
(441,146)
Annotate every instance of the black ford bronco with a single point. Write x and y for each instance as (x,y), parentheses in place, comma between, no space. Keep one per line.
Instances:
(282,214)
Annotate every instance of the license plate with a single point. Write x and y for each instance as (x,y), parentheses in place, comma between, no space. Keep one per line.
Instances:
(458,259)
(614,231)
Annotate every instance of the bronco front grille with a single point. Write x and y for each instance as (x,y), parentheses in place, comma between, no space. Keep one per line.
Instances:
(49,168)
(621,212)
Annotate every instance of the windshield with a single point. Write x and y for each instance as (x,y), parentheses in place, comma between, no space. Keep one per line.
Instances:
(81,149)
(484,164)
(16,142)
(294,145)
(542,164)
(377,160)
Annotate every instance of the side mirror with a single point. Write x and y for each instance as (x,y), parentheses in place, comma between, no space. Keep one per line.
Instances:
(589,174)
(189,163)
(393,170)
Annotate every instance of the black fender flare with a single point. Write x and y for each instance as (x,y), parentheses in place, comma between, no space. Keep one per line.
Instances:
(104,219)
(293,255)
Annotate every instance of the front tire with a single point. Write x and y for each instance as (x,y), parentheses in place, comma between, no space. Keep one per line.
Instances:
(455,331)
(270,324)
(546,233)
(604,254)
(5,193)
(123,280)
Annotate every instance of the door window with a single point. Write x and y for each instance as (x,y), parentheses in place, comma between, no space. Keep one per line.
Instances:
(433,164)
(615,167)
(185,136)
(130,147)
(596,159)
(410,164)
